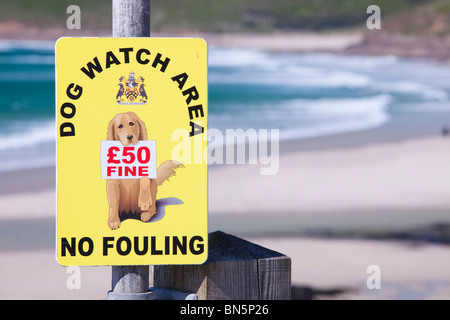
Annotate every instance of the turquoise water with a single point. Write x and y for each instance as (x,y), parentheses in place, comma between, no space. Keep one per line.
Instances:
(303,95)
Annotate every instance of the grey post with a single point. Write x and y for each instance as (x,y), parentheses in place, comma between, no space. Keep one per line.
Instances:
(131,18)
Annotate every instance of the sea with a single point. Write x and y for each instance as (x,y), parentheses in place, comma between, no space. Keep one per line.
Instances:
(304,95)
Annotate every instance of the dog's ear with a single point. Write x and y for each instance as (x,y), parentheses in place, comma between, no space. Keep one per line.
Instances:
(142,129)
(111,130)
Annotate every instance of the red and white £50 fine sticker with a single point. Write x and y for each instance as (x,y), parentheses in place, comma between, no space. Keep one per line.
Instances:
(128,162)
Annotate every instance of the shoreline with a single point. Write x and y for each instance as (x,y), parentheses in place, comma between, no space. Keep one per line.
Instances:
(354,41)
(44,178)
(360,208)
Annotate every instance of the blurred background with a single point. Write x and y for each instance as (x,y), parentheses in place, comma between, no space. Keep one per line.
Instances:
(413,17)
(364,120)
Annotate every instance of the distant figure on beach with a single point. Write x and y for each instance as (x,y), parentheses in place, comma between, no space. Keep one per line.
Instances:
(445,131)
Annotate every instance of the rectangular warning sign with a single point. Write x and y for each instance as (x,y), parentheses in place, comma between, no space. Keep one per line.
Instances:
(131,113)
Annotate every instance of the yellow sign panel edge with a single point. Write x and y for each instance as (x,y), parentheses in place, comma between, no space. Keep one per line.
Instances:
(56,145)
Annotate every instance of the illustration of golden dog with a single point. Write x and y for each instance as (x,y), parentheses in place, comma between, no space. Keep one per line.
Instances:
(128,197)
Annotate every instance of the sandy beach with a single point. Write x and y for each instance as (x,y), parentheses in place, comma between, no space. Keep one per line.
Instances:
(345,192)
(321,269)
(277,41)
(355,41)
(365,179)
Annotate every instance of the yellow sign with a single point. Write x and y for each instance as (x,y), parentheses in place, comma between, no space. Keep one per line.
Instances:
(127,110)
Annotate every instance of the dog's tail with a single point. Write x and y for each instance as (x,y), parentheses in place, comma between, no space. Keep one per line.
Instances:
(166,170)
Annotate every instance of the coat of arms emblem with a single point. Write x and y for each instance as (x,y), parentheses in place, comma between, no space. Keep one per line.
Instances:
(131,91)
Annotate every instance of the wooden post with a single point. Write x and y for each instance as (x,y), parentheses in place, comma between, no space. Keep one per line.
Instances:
(131,18)
(236,269)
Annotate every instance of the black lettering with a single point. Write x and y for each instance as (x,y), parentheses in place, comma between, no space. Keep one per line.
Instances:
(192,94)
(198,109)
(200,247)
(181,79)
(107,245)
(119,246)
(126,53)
(78,90)
(136,246)
(178,245)
(111,59)
(67,133)
(139,58)
(97,67)
(71,107)
(65,246)
(158,60)
(153,248)
(167,245)
(90,249)
(195,129)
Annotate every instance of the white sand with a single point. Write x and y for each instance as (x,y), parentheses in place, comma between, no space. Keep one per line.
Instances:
(287,42)
(407,175)
(30,205)
(398,175)
(402,175)
(276,41)
(37,275)
(406,271)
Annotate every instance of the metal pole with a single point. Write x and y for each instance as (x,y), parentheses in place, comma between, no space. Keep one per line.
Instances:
(130,283)
(131,18)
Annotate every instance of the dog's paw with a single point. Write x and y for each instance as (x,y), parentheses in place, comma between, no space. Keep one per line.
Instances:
(114,223)
(147,215)
(145,198)
(144,204)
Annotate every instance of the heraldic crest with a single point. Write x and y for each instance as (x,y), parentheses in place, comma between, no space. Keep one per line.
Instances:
(131,91)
